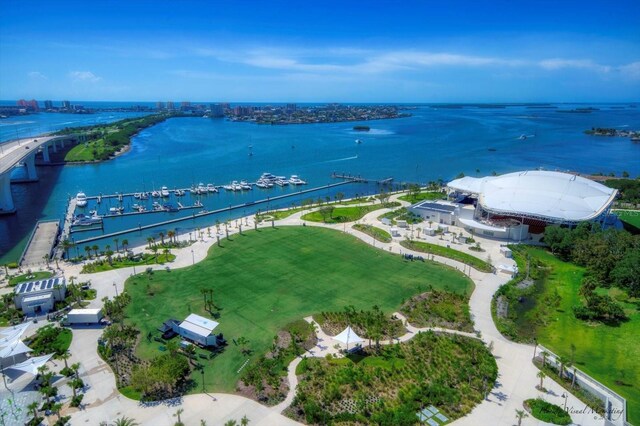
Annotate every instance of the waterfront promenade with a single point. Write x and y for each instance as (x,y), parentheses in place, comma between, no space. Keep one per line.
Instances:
(516,379)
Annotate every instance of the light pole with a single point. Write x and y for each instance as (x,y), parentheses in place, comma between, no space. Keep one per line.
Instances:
(565,396)
(116,287)
(193,258)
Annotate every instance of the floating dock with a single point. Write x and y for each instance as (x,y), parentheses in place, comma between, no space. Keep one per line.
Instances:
(357,178)
(209,213)
(41,243)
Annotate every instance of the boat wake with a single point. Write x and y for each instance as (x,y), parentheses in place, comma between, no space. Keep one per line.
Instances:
(339,159)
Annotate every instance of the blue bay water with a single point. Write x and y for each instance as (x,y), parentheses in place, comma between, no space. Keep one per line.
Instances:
(432,144)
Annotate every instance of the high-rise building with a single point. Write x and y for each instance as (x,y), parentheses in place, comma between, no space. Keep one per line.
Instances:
(216,110)
(66,105)
(291,108)
(160,106)
(48,105)
(171,106)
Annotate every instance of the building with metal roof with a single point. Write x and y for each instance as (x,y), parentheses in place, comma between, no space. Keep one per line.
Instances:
(197,329)
(515,205)
(37,297)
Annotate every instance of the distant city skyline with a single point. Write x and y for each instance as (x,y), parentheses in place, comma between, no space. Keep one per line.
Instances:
(379,51)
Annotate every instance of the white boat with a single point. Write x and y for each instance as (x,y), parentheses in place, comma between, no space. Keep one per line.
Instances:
(137,195)
(201,188)
(245,186)
(211,188)
(164,192)
(228,187)
(156,206)
(139,208)
(81,199)
(267,177)
(155,194)
(358,141)
(295,180)
(116,210)
(179,192)
(83,220)
(282,182)
(262,184)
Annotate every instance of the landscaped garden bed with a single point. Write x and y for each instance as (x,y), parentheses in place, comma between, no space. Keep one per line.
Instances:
(439,309)
(389,385)
(465,258)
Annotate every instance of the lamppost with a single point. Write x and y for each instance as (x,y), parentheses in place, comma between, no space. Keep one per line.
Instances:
(193,258)
(202,372)
(565,396)
(116,287)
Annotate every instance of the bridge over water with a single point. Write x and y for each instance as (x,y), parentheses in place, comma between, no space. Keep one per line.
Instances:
(22,152)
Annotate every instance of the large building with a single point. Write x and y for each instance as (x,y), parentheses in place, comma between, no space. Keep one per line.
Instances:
(39,297)
(197,329)
(518,206)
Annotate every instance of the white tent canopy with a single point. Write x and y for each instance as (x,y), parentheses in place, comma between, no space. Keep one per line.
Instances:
(348,336)
(17,348)
(11,330)
(31,365)
(11,339)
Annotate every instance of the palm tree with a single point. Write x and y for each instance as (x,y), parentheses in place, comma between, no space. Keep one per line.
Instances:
(244,421)
(33,407)
(66,245)
(154,249)
(171,235)
(125,421)
(177,414)
(125,244)
(521,414)
(46,259)
(166,253)
(109,253)
(162,237)
(541,376)
(56,409)
(116,240)
(95,249)
(150,240)
(65,356)
(544,357)
(88,250)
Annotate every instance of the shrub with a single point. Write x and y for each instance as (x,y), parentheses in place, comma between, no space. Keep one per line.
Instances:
(547,412)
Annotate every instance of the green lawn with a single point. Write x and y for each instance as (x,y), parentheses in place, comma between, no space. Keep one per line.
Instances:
(147,259)
(345,214)
(609,354)
(33,276)
(373,231)
(631,217)
(430,195)
(465,258)
(266,279)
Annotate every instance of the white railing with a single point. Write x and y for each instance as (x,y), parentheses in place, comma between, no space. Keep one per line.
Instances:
(615,406)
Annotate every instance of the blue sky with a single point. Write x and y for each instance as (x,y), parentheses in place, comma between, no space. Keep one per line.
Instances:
(322,51)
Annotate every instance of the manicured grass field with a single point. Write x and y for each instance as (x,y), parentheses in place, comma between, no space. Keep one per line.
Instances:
(346,214)
(609,354)
(631,217)
(147,259)
(423,196)
(265,279)
(465,258)
(375,232)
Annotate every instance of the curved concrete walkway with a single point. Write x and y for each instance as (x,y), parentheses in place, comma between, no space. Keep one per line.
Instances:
(516,373)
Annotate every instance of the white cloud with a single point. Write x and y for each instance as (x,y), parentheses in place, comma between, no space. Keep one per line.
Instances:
(37,75)
(87,76)
(560,63)
(631,70)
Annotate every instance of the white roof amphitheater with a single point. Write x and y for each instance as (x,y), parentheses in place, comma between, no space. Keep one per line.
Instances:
(551,196)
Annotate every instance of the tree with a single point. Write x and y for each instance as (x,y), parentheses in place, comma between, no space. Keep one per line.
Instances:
(65,356)
(95,249)
(171,235)
(66,245)
(244,421)
(109,253)
(326,212)
(541,376)
(125,245)
(162,238)
(154,249)
(116,241)
(339,196)
(150,241)
(33,407)
(177,414)
(243,342)
(88,250)
(521,414)
(125,421)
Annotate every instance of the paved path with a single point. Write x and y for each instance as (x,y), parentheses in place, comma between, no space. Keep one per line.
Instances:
(516,379)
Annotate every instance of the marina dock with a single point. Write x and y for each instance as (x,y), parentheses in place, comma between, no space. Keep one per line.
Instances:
(213,212)
(357,178)
(41,243)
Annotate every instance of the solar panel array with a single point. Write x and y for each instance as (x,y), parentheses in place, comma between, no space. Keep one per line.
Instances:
(33,286)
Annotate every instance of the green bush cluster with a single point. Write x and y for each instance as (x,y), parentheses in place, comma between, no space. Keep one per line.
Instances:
(547,412)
